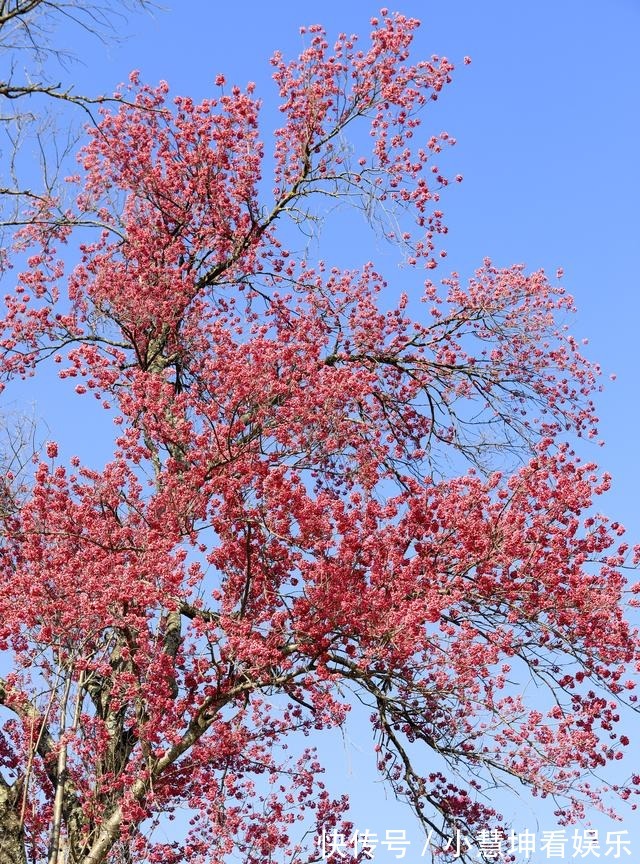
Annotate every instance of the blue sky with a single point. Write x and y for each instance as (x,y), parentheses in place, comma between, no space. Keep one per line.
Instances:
(547,124)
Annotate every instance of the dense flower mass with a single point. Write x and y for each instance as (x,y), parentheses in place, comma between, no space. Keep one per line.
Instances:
(322,489)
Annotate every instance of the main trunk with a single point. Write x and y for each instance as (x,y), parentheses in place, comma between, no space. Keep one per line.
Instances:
(11,835)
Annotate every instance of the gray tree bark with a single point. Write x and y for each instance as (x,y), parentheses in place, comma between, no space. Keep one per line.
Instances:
(12,849)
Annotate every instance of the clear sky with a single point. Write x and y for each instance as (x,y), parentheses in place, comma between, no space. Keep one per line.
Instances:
(547,121)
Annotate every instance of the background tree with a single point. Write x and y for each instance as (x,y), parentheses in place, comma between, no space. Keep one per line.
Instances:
(36,93)
(321,492)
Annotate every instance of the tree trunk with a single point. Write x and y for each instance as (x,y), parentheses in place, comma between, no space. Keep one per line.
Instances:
(11,835)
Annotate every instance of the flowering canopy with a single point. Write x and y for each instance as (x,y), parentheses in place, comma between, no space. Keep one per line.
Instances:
(321,490)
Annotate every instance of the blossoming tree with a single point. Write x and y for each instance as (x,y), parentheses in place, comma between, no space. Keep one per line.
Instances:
(322,490)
